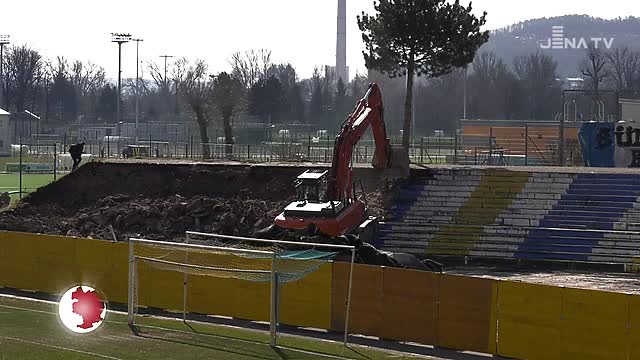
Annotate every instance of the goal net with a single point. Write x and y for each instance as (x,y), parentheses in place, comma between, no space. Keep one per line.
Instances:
(247,259)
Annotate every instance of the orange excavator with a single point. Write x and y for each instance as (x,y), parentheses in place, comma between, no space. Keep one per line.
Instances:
(327,200)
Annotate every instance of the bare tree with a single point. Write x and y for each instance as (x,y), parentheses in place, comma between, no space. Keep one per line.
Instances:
(87,78)
(624,68)
(594,66)
(228,92)
(490,82)
(631,71)
(62,94)
(196,91)
(24,67)
(616,60)
(158,76)
(537,76)
(250,66)
(166,84)
(179,73)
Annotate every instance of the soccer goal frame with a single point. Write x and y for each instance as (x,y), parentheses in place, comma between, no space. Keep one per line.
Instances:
(351,248)
(133,276)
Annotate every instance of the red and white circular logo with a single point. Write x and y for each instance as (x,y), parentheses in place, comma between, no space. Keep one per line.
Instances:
(81,309)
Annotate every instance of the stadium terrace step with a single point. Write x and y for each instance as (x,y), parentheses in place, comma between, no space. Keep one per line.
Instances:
(600,197)
(511,252)
(568,224)
(592,208)
(594,241)
(581,215)
(606,186)
(514,214)
(456,249)
(585,204)
(604,192)
(443,196)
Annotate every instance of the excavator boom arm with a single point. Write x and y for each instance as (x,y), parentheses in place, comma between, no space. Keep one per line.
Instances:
(368,112)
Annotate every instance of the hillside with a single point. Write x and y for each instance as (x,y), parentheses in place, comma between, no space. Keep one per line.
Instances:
(525,37)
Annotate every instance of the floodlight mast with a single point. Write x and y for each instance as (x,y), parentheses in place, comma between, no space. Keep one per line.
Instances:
(165,69)
(166,81)
(137,82)
(4,40)
(119,38)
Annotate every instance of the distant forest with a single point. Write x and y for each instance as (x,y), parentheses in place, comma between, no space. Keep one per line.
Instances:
(523,38)
(512,78)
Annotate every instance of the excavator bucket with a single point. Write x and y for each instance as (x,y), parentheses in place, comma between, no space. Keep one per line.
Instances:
(398,161)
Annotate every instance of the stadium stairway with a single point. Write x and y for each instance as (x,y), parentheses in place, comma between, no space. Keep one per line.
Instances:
(511,214)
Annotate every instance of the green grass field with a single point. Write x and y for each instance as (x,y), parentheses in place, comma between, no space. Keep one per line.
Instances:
(30,182)
(32,330)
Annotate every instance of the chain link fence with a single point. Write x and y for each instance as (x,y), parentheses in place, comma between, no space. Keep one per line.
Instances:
(528,144)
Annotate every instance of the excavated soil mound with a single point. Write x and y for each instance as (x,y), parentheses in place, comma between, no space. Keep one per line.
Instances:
(162,201)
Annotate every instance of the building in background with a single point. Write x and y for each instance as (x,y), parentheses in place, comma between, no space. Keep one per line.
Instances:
(630,110)
(574,83)
(5,134)
(342,71)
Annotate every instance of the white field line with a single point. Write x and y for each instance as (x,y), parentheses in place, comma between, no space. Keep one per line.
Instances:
(201,323)
(249,341)
(60,348)
(27,309)
(153,327)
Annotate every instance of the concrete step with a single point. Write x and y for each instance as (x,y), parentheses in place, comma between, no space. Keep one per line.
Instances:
(592,208)
(603,245)
(583,215)
(600,197)
(521,255)
(427,228)
(578,224)
(508,213)
(605,186)
(516,245)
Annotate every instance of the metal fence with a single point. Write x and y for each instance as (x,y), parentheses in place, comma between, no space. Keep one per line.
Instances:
(536,144)
(495,146)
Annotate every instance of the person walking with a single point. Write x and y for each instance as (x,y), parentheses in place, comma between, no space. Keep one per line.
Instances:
(76,152)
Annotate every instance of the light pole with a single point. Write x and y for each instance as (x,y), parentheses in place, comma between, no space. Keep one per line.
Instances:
(165,68)
(120,39)
(37,119)
(4,40)
(464,95)
(166,82)
(137,82)
(165,65)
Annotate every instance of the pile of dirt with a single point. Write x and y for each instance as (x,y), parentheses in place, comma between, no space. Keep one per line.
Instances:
(162,201)
(97,180)
(157,218)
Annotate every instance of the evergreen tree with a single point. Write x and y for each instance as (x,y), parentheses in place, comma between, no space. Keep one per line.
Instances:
(420,37)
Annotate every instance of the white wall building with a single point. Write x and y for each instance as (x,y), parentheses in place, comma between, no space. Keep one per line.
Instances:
(630,110)
(5,134)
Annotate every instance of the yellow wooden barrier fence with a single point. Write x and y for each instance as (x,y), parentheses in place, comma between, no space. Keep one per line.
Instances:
(510,319)
(52,264)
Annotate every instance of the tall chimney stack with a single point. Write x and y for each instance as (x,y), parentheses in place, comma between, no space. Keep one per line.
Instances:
(341,43)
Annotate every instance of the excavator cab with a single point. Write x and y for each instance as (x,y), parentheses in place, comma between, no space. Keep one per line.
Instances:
(311,186)
(312,205)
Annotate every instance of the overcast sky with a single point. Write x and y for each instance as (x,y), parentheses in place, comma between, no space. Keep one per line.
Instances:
(298,31)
